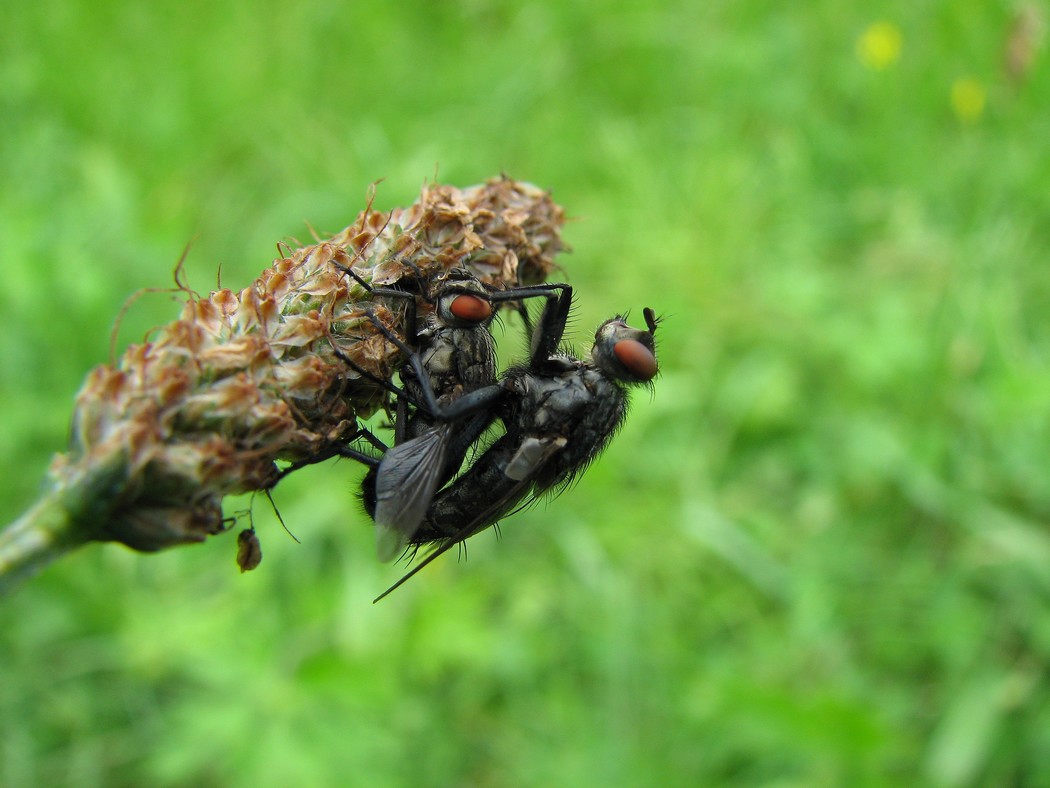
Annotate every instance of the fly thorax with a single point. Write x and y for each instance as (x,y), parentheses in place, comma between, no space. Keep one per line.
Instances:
(597,382)
(553,401)
(474,358)
(438,359)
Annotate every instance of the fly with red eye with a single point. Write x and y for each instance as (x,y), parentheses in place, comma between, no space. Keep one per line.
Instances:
(447,381)
(559,413)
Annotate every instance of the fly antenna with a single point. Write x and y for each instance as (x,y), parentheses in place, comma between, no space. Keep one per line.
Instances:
(651,320)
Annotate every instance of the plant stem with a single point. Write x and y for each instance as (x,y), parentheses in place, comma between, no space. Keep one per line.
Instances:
(46,532)
(75,511)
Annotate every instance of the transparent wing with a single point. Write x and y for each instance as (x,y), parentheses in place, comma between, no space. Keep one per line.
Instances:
(506,494)
(408,476)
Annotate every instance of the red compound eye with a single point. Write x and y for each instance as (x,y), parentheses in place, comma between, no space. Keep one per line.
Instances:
(637,358)
(471,308)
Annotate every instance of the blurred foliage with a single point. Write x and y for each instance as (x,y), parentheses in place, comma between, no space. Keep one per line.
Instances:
(819,555)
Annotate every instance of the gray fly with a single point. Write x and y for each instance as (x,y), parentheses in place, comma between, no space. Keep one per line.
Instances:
(559,413)
(443,406)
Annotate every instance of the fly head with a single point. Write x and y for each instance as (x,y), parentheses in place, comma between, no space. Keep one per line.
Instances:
(624,353)
(461,301)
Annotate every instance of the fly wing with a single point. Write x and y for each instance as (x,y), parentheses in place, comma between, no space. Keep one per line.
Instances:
(408,476)
(507,491)
(531,456)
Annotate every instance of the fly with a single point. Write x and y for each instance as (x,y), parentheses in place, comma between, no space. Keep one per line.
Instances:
(449,378)
(559,412)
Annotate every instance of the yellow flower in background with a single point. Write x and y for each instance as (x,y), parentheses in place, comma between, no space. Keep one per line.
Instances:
(879,46)
(968,99)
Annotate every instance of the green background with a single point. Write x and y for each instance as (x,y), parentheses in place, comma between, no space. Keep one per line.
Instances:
(818,555)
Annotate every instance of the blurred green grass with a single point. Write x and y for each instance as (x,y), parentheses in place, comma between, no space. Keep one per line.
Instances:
(819,555)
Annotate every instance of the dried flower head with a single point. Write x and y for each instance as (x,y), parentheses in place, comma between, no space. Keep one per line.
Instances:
(244,379)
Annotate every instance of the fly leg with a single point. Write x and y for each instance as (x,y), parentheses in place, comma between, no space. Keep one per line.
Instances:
(340,449)
(518,294)
(405,295)
(460,407)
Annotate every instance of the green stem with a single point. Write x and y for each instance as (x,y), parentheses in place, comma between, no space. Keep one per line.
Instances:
(71,514)
(41,535)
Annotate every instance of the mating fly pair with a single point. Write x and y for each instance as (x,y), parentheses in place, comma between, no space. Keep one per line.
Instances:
(558,413)
(442,408)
